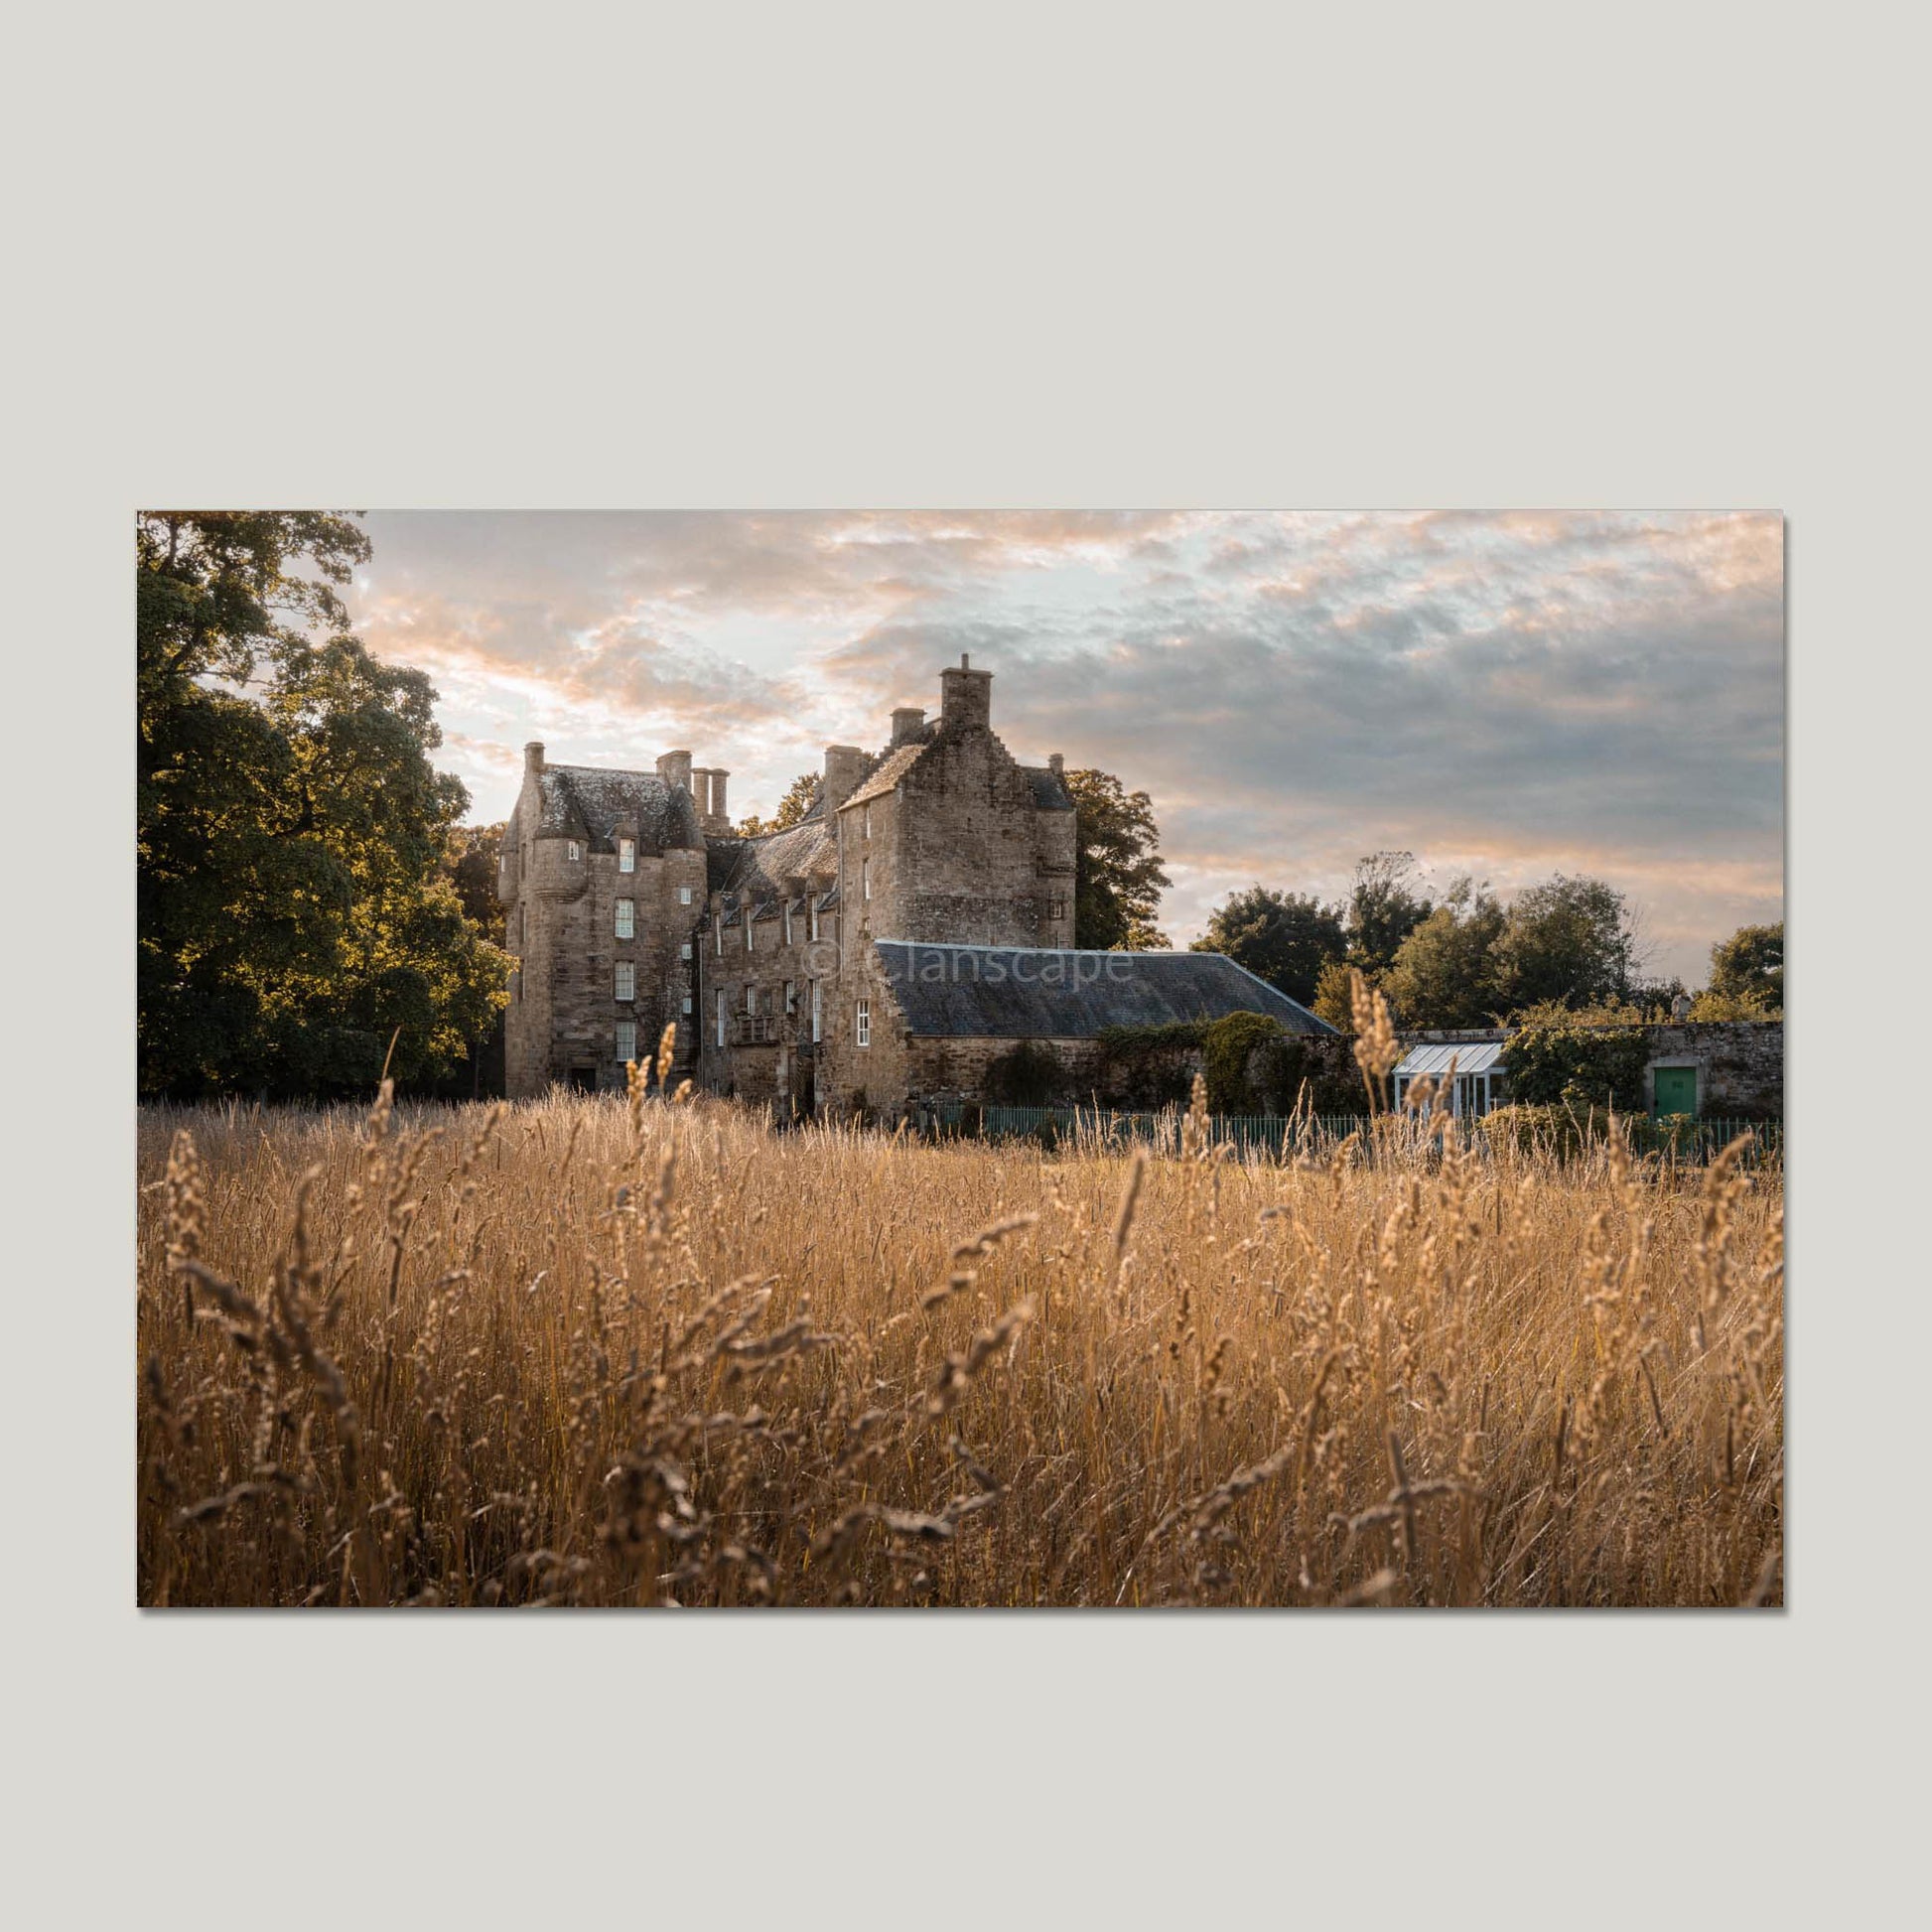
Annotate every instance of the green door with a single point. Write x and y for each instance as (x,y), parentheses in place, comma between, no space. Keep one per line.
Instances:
(1676,1090)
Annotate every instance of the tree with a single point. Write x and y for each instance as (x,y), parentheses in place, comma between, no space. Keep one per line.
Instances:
(293,911)
(1446,970)
(1568,940)
(469,863)
(793,806)
(1117,876)
(1335,996)
(1385,906)
(1748,969)
(1285,938)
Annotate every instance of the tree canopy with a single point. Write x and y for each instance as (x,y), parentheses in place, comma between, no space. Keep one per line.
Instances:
(293,904)
(1445,972)
(1285,938)
(1386,903)
(793,806)
(1747,970)
(1571,941)
(1118,879)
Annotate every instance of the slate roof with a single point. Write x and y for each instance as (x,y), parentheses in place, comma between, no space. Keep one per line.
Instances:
(589,802)
(887,774)
(765,866)
(1036,993)
(1050,788)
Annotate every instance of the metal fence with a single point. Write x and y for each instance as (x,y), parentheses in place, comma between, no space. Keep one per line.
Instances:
(1678,1140)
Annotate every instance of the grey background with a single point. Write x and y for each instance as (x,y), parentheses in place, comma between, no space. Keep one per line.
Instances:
(1009,255)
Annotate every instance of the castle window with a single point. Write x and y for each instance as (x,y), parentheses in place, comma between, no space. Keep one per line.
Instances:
(747,925)
(751,999)
(627,926)
(865,877)
(1056,908)
(626,1040)
(626,988)
(814,929)
(687,1003)
(684,951)
(626,854)
(818,1009)
(791,998)
(718,933)
(573,851)
(865,820)
(684,895)
(720,1007)
(787,921)
(862,1025)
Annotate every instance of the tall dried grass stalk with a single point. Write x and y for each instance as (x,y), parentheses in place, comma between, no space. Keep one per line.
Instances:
(643,1350)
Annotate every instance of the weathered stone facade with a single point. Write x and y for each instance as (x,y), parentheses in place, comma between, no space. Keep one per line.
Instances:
(761,949)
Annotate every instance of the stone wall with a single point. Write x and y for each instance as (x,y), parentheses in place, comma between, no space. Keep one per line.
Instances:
(1740,1065)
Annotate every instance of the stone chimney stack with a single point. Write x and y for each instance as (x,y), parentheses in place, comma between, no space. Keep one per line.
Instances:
(674,767)
(533,755)
(1055,764)
(909,721)
(845,766)
(965,698)
(718,792)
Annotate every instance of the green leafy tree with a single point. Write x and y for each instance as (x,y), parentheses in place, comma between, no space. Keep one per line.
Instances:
(1446,970)
(1386,903)
(793,806)
(1285,938)
(294,912)
(1748,971)
(1568,940)
(1117,879)
(1334,998)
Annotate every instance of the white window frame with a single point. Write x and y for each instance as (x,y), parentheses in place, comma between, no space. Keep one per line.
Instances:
(818,1009)
(791,998)
(687,1003)
(787,921)
(684,895)
(623,918)
(864,819)
(747,925)
(626,854)
(623,980)
(720,1010)
(751,1000)
(862,1024)
(865,877)
(718,935)
(573,851)
(814,917)
(626,1040)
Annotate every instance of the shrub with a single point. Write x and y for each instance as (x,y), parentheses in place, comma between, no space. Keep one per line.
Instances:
(1228,1050)
(1026,1074)
(1577,1066)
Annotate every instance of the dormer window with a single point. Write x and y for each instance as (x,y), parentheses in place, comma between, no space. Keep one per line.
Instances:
(573,851)
(626,854)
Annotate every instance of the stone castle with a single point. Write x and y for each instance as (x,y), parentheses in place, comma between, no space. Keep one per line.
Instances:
(913,924)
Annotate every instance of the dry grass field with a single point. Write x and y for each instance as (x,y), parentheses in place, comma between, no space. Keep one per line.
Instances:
(581,1351)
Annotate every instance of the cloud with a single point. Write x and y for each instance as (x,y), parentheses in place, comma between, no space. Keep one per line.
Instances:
(1507,692)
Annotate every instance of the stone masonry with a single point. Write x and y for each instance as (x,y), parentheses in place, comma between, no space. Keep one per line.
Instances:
(632,905)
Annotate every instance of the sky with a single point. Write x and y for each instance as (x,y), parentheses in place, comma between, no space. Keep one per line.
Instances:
(1506,695)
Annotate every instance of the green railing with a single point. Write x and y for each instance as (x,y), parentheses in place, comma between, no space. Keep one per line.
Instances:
(1679,1140)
